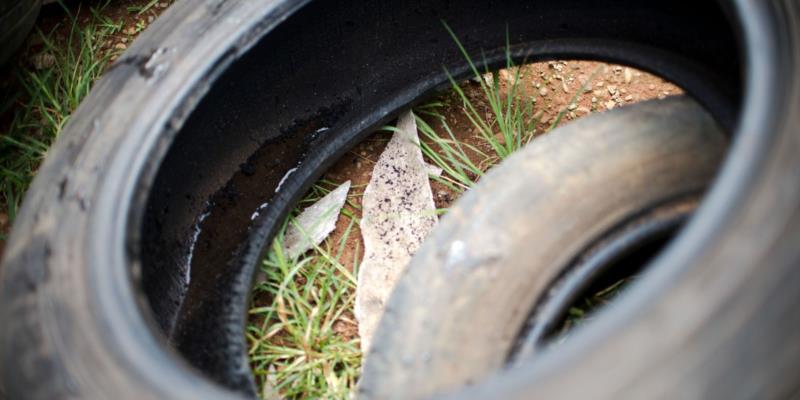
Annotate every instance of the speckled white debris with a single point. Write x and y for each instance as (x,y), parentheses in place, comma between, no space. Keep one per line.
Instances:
(315,223)
(398,213)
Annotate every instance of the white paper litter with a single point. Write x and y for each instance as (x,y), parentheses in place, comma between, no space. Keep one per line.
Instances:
(398,213)
(315,223)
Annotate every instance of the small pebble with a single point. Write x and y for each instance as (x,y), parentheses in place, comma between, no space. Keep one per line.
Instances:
(488,78)
(507,76)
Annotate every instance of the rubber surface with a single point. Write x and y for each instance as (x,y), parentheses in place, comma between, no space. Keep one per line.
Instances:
(231,154)
(717,317)
(95,301)
(458,310)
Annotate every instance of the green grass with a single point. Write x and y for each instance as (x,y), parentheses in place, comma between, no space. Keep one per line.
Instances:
(295,349)
(139,10)
(75,60)
(512,123)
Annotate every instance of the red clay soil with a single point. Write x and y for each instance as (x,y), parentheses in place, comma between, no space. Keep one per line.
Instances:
(554,84)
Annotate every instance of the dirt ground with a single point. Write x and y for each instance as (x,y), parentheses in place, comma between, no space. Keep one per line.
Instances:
(554,84)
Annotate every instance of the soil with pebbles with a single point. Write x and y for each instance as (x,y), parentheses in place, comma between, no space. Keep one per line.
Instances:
(554,84)
(580,87)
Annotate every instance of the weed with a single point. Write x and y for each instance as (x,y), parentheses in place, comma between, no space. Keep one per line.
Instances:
(49,95)
(297,346)
(512,123)
(139,10)
(296,349)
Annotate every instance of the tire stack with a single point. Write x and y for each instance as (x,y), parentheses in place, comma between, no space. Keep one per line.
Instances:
(94,302)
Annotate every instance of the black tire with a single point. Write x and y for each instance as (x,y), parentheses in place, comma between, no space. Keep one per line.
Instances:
(456,314)
(715,319)
(94,298)
(16,20)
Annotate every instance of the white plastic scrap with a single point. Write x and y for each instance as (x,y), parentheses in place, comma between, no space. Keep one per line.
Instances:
(398,213)
(315,223)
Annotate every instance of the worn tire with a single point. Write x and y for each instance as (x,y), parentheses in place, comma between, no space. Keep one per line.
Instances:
(95,301)
(456,314)
(714,318)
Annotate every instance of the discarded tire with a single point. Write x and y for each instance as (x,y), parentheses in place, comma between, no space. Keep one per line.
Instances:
(198,122)
(457,313)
